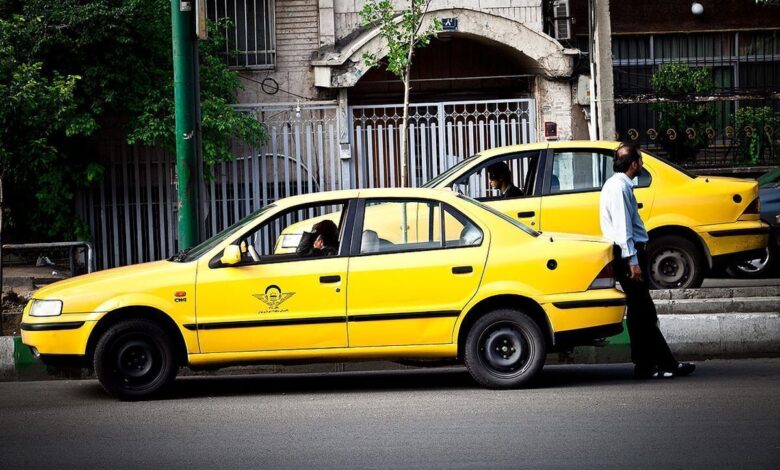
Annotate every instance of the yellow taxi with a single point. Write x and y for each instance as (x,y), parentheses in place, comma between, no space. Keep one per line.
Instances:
(695,222)
(418,274)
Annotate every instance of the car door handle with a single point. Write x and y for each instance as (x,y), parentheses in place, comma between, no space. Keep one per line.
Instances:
(329,279)
(526,214)
(462,270)
(639,205)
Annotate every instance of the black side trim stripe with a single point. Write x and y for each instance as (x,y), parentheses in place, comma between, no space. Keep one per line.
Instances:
(320,320)
(590,303)
(260,323)
(743,231)
(71,325)
(404,316)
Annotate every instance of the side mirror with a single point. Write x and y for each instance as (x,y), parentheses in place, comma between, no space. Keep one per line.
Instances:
(231,255)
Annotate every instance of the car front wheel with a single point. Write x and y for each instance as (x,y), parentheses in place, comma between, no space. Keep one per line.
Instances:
(504,349)
(135,360)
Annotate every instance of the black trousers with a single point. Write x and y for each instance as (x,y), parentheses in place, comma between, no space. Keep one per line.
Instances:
(648,345)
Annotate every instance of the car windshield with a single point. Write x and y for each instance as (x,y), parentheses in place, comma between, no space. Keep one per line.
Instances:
(495,212)
(770,180)
(443,176)
(198,250)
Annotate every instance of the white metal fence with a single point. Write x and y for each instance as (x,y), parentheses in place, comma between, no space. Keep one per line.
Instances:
(132,213)
(440,134)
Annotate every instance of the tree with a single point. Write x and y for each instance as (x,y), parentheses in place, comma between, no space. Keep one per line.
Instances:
(403,32)
(755,130)
(682,122)
(73,68)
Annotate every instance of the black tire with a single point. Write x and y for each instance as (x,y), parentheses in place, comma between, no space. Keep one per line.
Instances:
(757,268)
(674,262)
(504,349)
(135,360)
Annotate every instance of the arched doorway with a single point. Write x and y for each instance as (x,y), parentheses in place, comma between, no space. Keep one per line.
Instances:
(468,94)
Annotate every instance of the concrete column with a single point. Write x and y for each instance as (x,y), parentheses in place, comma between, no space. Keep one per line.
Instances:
(345,150)
(327,23)
(602,53)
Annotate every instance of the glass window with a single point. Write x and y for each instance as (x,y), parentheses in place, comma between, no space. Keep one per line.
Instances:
(507,177)
(410,225)
(582,170)
(312,230)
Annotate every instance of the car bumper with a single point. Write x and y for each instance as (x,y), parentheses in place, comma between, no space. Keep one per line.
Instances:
(66,334)
(583,314)
(735,238)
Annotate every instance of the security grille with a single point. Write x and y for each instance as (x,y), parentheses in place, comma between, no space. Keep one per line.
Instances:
(249,30)
(562,19)
(440,135)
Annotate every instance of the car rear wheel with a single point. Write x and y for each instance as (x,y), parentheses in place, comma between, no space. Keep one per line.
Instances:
(504,349)
(135,359)
(674,263)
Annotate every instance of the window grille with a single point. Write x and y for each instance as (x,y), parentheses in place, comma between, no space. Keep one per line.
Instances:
(249,32)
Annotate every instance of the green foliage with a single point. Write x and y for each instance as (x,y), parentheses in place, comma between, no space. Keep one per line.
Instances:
(756,133)
(402,31)
(682,126)
(71,68)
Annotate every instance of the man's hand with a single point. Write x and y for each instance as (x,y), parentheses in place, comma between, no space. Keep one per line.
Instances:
(634,272)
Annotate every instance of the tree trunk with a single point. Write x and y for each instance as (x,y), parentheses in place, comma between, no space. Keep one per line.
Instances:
(1,250)
(405,134)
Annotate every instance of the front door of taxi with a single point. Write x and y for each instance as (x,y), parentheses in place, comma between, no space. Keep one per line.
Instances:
(276,300)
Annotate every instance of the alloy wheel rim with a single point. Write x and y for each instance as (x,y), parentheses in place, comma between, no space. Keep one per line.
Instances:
(754,265)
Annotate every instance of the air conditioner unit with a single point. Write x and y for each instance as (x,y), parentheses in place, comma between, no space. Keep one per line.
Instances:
(562,19)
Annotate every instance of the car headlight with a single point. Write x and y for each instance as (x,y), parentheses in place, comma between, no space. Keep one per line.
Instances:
(46,308)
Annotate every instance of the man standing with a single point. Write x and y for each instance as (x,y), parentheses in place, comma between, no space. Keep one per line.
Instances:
(621,224)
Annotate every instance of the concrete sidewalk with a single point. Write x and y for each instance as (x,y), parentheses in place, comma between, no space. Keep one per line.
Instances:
(739,322)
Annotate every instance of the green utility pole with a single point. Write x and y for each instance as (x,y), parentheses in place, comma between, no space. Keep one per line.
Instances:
(184,63)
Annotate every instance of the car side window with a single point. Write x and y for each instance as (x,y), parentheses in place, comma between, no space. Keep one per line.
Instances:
(294,234)
(584,170)
(521,169)
(413,225)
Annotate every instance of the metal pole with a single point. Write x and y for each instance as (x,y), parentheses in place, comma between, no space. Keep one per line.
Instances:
(183,35)
(1,250)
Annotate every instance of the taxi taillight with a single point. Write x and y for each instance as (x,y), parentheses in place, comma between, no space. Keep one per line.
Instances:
(753,208)
(605,279)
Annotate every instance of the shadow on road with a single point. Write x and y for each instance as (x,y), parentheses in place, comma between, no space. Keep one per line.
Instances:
(450,378)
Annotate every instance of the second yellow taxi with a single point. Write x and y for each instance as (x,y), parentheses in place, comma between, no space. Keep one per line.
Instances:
(417,274)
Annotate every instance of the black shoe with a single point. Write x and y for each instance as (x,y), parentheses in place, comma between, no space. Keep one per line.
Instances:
(644,373)
(684,368)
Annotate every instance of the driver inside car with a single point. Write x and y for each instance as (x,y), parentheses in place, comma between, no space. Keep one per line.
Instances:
(323,240)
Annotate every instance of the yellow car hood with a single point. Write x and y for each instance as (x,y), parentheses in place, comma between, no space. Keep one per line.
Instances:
(84,293)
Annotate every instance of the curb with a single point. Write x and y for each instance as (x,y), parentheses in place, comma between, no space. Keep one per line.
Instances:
(690,336)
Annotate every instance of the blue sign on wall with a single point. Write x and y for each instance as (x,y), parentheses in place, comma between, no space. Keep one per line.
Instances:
(449,24)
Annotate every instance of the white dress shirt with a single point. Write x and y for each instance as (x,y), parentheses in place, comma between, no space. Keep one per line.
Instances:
(620,221)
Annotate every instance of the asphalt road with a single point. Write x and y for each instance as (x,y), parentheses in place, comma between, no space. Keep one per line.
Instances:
(727,415)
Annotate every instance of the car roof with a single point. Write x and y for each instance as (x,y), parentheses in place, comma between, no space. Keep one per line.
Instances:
(598,144)
(443,194)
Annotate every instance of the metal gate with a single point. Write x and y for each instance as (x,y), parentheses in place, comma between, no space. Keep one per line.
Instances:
(132,212)
(440,134)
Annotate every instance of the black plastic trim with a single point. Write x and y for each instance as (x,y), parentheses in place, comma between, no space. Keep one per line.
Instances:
(71,325)
(263,323)
(330,279)
(462,270)
(740,231)
(403,316)
(585,335)
(590,303)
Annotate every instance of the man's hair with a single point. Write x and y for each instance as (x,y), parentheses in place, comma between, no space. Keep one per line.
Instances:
(499,170)
(626,154)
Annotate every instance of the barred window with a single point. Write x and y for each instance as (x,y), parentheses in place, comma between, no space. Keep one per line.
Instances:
(249,31)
